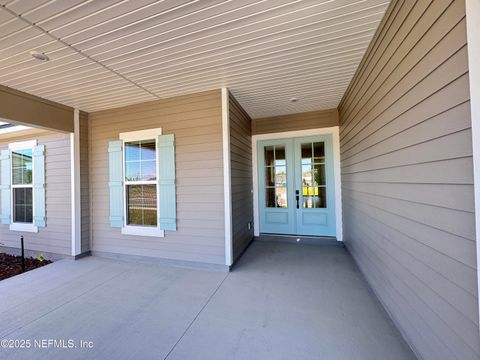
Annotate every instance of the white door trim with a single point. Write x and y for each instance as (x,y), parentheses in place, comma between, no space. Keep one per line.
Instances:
(473,39)
(336,170)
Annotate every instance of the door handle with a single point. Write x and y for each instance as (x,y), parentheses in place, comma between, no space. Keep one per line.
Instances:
(297,196)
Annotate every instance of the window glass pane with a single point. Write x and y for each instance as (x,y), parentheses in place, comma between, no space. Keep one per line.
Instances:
(132,171)
(147,148)
(142,205)
(132,151)
(22,205)
(269,156)
(140,161)
(22,167)
(148,170)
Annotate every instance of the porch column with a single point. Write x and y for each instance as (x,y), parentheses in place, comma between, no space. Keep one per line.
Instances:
(75,184)
(227,187)
(473,39)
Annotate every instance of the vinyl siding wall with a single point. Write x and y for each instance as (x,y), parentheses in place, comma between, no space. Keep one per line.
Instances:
(241,176)
(196,122)
(406,158)
(293,122)
(56,236)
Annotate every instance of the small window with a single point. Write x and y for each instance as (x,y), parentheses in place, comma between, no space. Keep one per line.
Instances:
(141,182)
(22,189)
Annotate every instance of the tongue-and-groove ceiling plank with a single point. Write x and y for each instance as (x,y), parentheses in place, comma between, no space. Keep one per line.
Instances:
(109,53)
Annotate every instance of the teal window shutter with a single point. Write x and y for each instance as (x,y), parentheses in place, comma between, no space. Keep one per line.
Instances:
(115,171)
(167,215)
(39,186)
(5,180)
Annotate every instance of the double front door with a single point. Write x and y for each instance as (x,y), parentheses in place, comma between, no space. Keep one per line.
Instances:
(296,186)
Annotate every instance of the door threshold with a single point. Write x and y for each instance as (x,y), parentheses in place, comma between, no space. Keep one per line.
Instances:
(300,239)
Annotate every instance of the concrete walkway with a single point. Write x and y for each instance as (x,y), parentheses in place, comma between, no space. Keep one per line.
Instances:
(282,301)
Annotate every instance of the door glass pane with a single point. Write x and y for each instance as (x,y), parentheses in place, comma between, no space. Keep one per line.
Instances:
(270,176)
(275,176)
(22,167)
(280,156)
(307,153)
(280,175)
(281,197)
(320,197)
(22,205)
(142,205)
(269,156)
(319,152)
(270,197)
(307,202)
(319,174)
(306,176)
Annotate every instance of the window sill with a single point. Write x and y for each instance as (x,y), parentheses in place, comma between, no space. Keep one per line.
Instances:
(143,231)
(24,227)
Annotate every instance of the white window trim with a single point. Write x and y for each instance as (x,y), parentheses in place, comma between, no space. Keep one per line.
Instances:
(135,229)
(140,135)
(24,227)
(22,145)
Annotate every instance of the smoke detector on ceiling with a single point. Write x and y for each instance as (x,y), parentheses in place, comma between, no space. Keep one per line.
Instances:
(39,56)
(293,100)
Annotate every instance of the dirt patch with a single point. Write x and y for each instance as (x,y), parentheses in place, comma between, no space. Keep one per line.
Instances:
(12,265)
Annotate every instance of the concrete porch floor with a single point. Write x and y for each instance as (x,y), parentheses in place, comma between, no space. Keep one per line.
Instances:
(282,301)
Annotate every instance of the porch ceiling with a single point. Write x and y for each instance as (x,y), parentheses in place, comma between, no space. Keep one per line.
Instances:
(110,53)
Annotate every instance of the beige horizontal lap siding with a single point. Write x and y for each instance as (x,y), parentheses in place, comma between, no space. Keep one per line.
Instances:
(84,184)
(292,122)
(406,158)
(241,176)
(196,122)
(56,236)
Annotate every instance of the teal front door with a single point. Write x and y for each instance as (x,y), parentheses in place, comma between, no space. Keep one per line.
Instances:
(296,186)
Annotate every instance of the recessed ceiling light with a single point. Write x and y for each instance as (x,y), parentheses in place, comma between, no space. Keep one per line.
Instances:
(39,56)
(293,100)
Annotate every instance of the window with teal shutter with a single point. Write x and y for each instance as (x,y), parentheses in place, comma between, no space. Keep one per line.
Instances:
(23,186)
(142,183)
